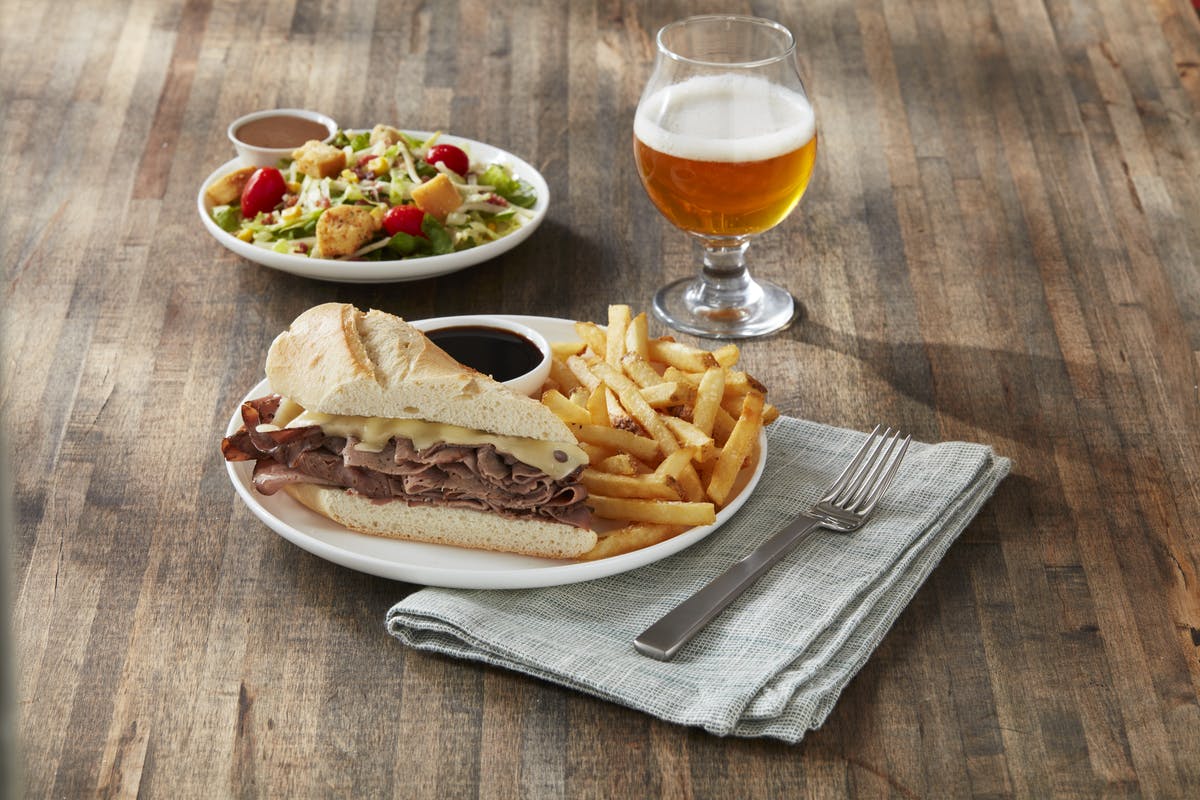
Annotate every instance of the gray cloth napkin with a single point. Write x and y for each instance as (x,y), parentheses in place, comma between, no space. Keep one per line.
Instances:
(774,663)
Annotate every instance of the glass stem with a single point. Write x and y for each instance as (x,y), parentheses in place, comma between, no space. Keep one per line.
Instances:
(725,283)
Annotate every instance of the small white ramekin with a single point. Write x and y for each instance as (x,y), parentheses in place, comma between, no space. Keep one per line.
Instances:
(530,383)
(254,156)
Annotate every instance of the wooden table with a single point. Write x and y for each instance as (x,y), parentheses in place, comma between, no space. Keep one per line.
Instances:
(1000,245)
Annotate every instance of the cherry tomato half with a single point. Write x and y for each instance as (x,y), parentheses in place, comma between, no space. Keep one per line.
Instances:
(453,157)
(406,219)
(263,191)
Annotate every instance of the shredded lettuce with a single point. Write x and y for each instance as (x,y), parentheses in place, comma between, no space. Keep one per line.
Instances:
(229,218)
(509,186)
(439,237)
(437,241)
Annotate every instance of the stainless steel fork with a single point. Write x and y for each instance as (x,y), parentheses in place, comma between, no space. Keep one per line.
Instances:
(843,509)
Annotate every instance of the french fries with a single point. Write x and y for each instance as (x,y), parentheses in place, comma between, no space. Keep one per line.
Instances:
(708,399)
(564,409)
(618,440)
(630,538)
(646,486)
(737,448)
(667,426)
(664,512)
(618,326)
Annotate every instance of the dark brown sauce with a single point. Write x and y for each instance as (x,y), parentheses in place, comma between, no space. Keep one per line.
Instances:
(281,130)
(502,354)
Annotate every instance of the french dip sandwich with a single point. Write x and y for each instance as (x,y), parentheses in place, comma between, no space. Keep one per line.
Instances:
(372,425)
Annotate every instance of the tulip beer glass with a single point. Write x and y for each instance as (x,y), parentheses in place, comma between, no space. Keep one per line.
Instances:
(725,139)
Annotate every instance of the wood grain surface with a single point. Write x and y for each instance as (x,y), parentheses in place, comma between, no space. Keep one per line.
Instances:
(1000,245)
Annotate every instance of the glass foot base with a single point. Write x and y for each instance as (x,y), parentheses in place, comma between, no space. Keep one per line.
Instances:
(680,305)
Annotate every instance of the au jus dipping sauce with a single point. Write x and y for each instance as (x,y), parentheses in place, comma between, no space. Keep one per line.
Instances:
(280,130)
(502,354)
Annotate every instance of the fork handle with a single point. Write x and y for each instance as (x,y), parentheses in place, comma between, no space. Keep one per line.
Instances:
(663,639)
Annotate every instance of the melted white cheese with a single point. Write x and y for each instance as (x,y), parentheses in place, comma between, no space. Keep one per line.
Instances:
(374,432)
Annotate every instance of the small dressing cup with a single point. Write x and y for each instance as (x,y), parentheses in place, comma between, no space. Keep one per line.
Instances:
(264,137)
(494,345)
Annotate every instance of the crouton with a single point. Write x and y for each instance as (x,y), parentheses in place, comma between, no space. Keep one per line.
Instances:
(437,197)
(386,134)
(228,188)
(343,229)
(319,160)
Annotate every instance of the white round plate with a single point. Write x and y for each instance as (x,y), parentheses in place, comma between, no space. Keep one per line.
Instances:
(456,567)
(412,269)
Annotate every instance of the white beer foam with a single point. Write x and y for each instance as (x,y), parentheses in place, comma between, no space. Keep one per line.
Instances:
(726,117)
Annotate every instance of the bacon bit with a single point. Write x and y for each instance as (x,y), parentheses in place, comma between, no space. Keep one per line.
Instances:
(302,247)
(497,200)
(323,203)
(290,200)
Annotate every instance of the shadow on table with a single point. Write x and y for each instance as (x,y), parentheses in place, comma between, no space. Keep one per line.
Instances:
(995,390)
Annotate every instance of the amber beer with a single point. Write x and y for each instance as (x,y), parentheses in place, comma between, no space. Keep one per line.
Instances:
(725,155)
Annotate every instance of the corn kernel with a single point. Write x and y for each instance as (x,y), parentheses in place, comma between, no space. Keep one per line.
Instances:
(378,165)
(246,235)
(292,187)
(290,213)
(349,177)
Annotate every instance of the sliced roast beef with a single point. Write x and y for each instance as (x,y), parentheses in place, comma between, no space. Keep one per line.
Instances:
(477,477)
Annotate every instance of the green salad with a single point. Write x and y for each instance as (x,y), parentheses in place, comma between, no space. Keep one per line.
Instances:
(372,195)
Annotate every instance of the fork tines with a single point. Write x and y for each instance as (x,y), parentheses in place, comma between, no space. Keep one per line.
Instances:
(868,474)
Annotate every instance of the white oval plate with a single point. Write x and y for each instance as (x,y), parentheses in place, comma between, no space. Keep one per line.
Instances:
(456,567)
(412,269)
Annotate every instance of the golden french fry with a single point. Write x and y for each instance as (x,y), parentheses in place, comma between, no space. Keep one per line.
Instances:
(614,341)
(644,486)
(561,350)
(679,376)
(594,335)
(681,356)
(595,452)
(637,406)
(666,512)
(640,371)
(691,436)
(579,369)
(617,416)
(630,538)
(677,470)
(562,375)
(564,409)
(622,464)
(732,402)
(597,406)
(579,396)
(620,441)
(669,394)
(737,386)
(708,399)
(706,471)
(742,382)
(770,414)
(723,424)
(675,463)
(727,355)
(690,487)
(739,446)
(636,338)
